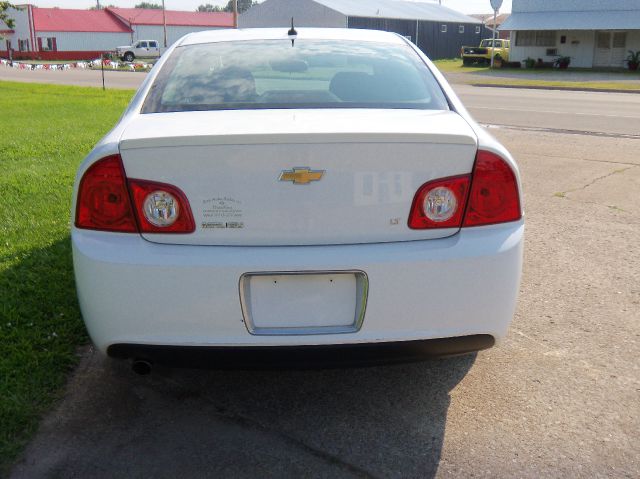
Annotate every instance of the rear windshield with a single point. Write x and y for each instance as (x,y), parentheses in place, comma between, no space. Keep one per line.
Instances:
(310,74)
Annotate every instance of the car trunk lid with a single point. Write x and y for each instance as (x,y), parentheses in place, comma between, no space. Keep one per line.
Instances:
(298,177)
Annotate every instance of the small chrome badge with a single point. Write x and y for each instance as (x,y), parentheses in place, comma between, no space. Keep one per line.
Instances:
(301,175)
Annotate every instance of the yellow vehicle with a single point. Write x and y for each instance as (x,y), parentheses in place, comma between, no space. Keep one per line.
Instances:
(483,53)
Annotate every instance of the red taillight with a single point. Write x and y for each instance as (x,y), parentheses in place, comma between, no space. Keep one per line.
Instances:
(161,208)
(494,196)
(440,203)
(103,200)
(488,196)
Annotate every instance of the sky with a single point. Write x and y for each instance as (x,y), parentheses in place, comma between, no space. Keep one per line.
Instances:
(465,6)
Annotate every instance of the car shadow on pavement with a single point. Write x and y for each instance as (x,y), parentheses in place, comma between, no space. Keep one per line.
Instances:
(361,422)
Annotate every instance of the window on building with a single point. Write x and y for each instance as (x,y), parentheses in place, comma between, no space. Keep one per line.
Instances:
(542,38)
(460,28)
(619,39)
(23,45)
(546,38)
(443,29)
(477,30)
(48,44)
(603,40)
(525,38)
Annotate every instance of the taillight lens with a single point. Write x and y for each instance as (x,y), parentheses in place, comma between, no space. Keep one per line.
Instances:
(161,208)
(488,196)
(103,200)
(105,203)
(494,196)
(440,203)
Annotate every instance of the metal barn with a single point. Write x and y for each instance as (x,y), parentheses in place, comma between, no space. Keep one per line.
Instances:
(438,31)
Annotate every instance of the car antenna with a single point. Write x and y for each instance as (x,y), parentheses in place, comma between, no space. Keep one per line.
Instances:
(292,33)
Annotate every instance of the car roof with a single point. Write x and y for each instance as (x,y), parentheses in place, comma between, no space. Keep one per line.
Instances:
(242,34)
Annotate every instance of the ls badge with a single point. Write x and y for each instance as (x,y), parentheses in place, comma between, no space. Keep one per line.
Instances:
(301,175)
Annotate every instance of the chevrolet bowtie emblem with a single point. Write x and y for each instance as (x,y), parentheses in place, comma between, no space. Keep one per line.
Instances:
(301,176)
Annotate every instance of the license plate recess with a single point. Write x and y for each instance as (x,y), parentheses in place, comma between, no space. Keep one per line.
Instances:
(316,302)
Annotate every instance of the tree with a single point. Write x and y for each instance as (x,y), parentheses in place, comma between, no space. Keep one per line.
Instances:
(102,7)
(209,8)
(149,5)
(243,5)
(4,16)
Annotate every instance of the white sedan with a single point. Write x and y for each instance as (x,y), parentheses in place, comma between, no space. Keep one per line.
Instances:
(318,195)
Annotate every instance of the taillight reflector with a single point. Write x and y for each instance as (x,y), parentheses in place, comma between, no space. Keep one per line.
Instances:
(431,196)
(494,196)
(142,189)
(103,200)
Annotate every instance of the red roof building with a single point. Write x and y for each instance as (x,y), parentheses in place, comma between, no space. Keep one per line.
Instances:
(74,34)
(142,16)
(68,20)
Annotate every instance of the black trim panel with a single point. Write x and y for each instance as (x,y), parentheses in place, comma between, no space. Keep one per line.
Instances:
(301,357)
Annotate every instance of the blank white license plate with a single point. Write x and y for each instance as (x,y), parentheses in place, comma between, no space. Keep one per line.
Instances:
(303,303)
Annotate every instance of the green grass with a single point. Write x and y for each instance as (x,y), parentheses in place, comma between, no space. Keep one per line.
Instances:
(454,65)
(497,78)
(45,131)
(559,84)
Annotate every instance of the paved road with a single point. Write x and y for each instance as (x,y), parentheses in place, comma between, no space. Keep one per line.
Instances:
(559,398)
(617,113)
(89,77)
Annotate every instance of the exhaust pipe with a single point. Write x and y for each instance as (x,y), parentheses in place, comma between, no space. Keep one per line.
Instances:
(141,366)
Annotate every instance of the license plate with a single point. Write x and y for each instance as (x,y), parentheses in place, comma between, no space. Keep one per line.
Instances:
(285,303)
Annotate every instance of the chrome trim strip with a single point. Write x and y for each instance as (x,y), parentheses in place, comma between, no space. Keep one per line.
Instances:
(362,294)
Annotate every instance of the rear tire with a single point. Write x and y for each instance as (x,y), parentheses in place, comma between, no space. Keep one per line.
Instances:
(129,57)
(467,62)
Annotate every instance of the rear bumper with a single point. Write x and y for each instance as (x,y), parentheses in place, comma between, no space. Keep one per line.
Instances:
(134,292)
(292,357)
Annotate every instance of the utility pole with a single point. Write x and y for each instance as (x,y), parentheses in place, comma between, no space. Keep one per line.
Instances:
(102,58)
(235,13)
(98,4)
(495,4)
(164,24)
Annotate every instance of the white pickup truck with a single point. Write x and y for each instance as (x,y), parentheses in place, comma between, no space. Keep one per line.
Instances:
(140,49)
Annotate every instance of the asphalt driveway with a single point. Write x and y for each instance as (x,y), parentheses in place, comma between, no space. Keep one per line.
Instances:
(559,398)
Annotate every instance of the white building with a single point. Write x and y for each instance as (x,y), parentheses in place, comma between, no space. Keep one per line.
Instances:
(593,33)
